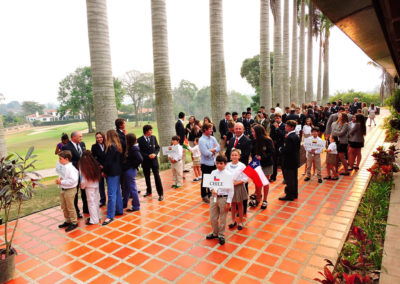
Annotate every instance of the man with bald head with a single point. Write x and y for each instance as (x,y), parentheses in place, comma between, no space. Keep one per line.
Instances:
(76,146)
(241,142)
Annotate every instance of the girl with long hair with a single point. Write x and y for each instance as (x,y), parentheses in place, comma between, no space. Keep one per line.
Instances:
(208,120)
(132,160)
(112,171)
(341,128)
(371,114)
(356,141)
(239,179)
(263,150)
(90,175)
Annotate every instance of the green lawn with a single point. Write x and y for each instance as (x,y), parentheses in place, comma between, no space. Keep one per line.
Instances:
(45,142)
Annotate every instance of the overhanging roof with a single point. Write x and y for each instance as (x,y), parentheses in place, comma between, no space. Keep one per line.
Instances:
(373,25)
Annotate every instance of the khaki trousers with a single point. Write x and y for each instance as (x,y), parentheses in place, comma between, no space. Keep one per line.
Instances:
(183,159)
(218,213)
(67,197)
(177,172)
(310,159)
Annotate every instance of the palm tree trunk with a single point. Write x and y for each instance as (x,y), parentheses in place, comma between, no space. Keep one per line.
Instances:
(219,97)
(285,56)
(3,147)
(293,77)
(162,80)
(265,66)
(277,80)
(319,91)
(300,84)
(105,110)
(325,92)
(309,89)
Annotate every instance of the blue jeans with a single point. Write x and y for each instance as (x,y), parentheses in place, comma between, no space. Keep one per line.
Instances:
(114,197)
(131,188)
(102,191)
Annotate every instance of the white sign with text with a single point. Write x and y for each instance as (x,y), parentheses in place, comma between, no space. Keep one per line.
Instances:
(222,181)
(313,143)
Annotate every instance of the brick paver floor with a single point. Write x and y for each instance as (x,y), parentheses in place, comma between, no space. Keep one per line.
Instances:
(165,242)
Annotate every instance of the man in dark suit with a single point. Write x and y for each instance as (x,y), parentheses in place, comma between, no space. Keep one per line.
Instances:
(243,118)
(76,146)
(355,106)
(240,141)
(293,116)
(286,114)
(149,149)
(247,125)
(290,161)
(181,132)
(223,130)
(277,135)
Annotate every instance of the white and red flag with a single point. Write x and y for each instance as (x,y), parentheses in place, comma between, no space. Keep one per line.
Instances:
(254,171)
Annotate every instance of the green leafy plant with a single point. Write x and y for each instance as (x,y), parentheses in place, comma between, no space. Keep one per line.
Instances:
(17,184)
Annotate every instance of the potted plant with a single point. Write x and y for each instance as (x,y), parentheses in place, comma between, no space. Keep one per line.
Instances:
(16,186)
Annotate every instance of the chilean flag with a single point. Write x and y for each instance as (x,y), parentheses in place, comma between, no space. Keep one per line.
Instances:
(254,171)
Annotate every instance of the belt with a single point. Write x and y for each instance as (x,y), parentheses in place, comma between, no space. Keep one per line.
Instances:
(222,195)
(68,188)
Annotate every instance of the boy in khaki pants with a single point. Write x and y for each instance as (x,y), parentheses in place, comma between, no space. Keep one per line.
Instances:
(313,155)
(176,161)
(68,184)
(221,200)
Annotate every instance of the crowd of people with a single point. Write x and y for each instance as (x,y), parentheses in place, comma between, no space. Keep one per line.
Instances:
(271,141)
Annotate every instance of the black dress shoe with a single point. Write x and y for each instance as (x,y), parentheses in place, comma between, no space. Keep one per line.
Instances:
(132,210)
(161,198)
(186,171)
(286,198)
(79,216)
(320,180)
(147,194)
(221,240)
(107,222)
(71,227)
(211,236)
(307,179)
(64,225)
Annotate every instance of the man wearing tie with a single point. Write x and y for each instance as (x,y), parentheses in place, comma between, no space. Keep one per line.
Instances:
(149,149)
(181,132)
(355,106)
(76,146)
(277,136)
(223,130)
(247,125)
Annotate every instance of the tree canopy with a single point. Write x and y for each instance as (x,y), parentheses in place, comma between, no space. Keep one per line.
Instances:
(75,94)
(31,107)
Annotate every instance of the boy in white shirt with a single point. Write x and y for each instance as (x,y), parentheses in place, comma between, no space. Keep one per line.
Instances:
(313,155)
(220,202)
(176,162)
(68,184)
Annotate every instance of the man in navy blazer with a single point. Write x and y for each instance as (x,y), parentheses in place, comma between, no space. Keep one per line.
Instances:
(277,135)
(76,147)
(149,149)
(181,132)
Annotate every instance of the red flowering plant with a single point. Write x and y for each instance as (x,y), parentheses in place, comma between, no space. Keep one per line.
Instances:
(385,163)
(16,186)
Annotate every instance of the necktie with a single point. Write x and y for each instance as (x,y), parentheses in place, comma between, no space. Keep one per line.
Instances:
(79,149)
(148,140)
(237,140)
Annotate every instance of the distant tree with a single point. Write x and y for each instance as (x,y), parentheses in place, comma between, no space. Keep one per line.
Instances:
(31,107)
(237,101)
(75,93)
(138,87)
(184,96)
(203,102)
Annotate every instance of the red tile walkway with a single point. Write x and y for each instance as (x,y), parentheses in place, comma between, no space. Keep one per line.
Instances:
(165,241)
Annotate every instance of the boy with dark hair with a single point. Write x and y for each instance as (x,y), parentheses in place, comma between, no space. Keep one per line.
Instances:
(68,183)
(234,116)
(220,202)
(175,158)
(313,154)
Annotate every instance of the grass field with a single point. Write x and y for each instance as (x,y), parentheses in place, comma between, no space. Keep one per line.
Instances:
(45,140)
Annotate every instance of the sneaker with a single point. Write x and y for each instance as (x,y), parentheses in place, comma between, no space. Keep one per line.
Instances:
(264,205)
(328,178)
(221,240)
(71,227)
(64,225)
(320,180)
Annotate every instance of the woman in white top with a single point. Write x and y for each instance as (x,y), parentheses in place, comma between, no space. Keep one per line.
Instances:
(239,180)
(196,159)
(90,176)
(307,128)
(371,114)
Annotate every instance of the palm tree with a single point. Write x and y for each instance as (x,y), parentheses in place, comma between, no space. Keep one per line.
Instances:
(293,77)
(219,97)
(103,86)
(162,80)
(309,88)
(277,79)
(265,71)
(300,84)
(3,147)
(285,55)
(327,24)
(319,90)
(386,87)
